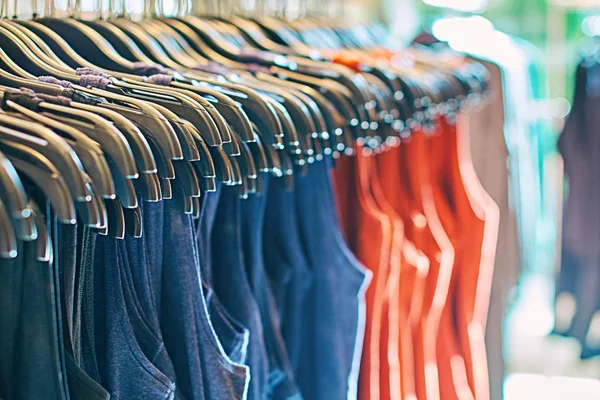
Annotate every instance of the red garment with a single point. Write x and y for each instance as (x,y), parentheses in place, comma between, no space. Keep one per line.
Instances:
(417,217)
(369,233)
(461,350)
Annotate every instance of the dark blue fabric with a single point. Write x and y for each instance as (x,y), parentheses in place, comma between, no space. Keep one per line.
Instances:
(281,378)
(233,336)
(136,278)
(81,386)
(208,213)
(122,337)
(230,282)
(203,369)
(30,360)
(74,254)
(286,266)
(333,332)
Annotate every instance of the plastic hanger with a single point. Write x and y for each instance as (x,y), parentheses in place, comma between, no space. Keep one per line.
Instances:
(166,188)
(214,121)
(196,39)
(205,165)
(121,160)
(186,177)
(57,47)
(133,221)
(119,40)
(42,173)
(144,159)
(189,148)
(89,152)
(14,76)
(273,160)
(35,44)
(251,170)
(281,33)
(27,59)
(255,35)
(259,155)
(172,43)
(8,238)
(15,201)
(84,206)
(112,141)
(181,104)
(93,213)
(146,42)
(219,161)
(226,106)
(255,107)
(88,43)
(116,219)
(154,126)
(54,148)
(334,120)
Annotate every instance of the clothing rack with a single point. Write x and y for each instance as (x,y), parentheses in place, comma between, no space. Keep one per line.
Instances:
(221,204)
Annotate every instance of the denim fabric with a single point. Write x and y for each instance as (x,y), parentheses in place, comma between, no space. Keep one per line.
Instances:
(135,263)
(30,359)
(84,343)
(287,267)
(203,369)
(127,344)
(74,250)
(281,379)
(232,335)
(230,282)
(208,213)
(141,275)
(65,257)
(333,328)
(81,386)
(153,216)
(357,269)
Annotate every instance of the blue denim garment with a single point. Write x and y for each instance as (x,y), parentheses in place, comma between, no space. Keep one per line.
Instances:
(230,283)
(281,378)
(153,237)
(204,371)
(356,266)
(286,266)
(208,213)
(135,269)
(333,328)
(141,277)
(233,336)
(123,338)
(31,363)
(81,386)
(74,254)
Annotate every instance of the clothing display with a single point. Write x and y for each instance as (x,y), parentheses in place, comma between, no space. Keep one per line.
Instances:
(202,207)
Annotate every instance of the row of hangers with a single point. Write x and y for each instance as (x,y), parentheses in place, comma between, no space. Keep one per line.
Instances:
(97,113)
